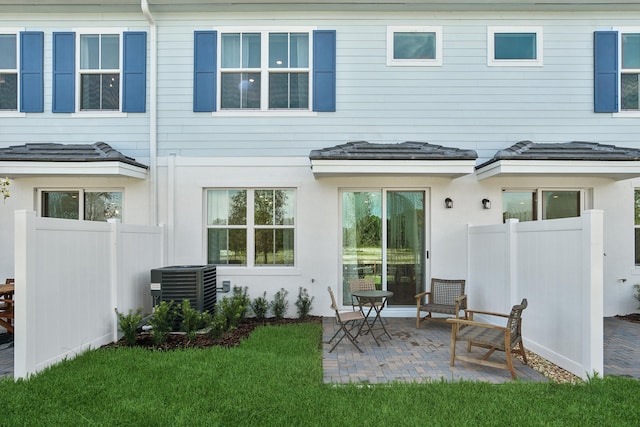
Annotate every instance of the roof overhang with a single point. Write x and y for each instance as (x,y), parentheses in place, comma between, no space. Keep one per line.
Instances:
(439,168)
(615,170)
(359,158)
(102,169)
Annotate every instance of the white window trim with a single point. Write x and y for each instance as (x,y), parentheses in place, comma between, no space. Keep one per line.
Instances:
(81,192)
(492,62)
(14,31)
(264,70)
(584,200)
(621,112)
(251,227)
(78,72)
(392,62)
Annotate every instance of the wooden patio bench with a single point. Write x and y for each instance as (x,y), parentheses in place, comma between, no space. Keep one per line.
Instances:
(490,336)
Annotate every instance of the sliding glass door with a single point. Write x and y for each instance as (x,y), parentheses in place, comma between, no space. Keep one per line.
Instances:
(383,237)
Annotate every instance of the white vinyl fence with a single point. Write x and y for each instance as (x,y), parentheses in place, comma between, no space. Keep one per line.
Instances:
(70,275)
(557,265)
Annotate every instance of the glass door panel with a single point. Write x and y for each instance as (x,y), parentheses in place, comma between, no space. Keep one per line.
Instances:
(384,231)
(405,237)
(361,238)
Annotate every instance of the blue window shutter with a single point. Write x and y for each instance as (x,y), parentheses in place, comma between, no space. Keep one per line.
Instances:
(605,76)
(134,80)
(64,55)
(324,70)
(204,70)
(31,72)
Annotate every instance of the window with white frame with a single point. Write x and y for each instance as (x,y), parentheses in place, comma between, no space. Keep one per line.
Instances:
(99,71)
(251,227)
(78,203)
(264,70)
(9,72)
(414,46)
(534,204)
(514,46)
(629,71)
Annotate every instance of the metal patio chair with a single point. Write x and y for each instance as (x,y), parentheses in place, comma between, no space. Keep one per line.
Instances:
(347,321)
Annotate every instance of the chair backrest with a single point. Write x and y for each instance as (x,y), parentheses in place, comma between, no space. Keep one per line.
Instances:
(446,291)
(365,284)
(515,321)
(334,306)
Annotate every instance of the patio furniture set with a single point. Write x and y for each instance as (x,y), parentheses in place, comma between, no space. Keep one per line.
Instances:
(444,297)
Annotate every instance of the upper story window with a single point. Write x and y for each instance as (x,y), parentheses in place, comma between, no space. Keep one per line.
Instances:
(89,205)
(264,70)
(629,71)
(102,71)
(251,227)
(531,205)
(244,71)
(8,72)
(414,46)
(514,46)
(99,71)
(21,72)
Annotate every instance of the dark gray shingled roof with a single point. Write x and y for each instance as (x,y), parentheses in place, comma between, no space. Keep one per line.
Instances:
(363,150)
(51,152)
(575,150)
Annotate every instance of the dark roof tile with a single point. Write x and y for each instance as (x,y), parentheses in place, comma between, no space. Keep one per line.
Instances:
(52,152)
(575,150)
(363,150)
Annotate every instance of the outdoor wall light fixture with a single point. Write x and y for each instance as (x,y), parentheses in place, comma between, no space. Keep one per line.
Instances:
(448,203)
(486,203)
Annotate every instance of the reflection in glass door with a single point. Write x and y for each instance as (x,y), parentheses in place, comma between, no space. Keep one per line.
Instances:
(405,245)
(383,237)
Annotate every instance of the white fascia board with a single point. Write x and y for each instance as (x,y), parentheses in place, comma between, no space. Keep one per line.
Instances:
(115,169)
(616,170)
(441,168)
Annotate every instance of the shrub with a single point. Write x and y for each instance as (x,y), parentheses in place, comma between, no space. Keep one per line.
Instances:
(280,304)
(260,307)
(216,324)
(129,324)
(164,315)
(303,303)
(191,319)
(234,309)
(636,294)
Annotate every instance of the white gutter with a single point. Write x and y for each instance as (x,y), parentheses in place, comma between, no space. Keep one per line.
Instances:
(153,114)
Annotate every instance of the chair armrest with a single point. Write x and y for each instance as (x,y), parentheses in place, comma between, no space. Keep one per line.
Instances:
(479,324)
(461,298)
(488,313)
(421,294)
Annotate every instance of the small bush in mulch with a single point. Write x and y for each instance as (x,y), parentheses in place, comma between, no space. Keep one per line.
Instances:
(177,340)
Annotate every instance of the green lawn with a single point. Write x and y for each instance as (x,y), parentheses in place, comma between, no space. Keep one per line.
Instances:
(275,378)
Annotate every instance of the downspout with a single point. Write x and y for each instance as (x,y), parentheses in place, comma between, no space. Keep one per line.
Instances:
(153,113)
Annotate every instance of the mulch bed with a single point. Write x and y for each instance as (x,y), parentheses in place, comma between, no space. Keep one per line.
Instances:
(632,317)
(179,340)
